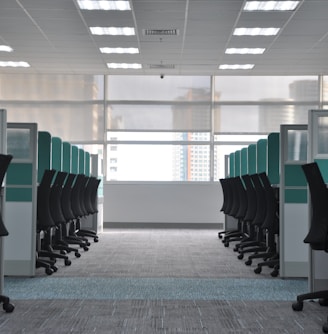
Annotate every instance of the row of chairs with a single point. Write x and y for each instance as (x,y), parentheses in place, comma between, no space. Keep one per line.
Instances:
(253,203)
(64,200)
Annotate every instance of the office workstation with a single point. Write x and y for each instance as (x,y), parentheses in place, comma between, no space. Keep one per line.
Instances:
(153,137)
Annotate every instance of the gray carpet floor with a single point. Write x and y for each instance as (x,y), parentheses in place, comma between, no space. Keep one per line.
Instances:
(158,281)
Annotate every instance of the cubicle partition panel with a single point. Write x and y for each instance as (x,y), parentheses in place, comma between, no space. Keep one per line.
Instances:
(75,160)
(96,171)
(67,152)
(232,164)
(56,153)
(81,164)
(237,163)
(261,156)
(21,194)
(293,202)
(44,153)
(273,156)
(318,151)
(244,161)
(251,159)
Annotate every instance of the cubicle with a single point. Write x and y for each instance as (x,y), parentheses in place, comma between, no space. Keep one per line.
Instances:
(21,194)
(318,151)
(293,206)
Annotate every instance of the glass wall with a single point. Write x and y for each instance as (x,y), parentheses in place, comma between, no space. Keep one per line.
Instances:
(152,129)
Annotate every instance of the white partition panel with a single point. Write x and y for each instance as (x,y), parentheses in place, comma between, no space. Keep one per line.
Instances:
(318,151)
(293,202)
(21,200)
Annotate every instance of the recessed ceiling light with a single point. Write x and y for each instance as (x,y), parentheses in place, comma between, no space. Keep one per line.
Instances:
(124,66)
(125,31)
(14,64)
(6,48)
(256,31)
(103,5)
(119,50)
(254,51)
(236,67)
(270,5)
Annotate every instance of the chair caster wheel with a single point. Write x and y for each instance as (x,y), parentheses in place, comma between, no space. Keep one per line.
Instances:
(323,302)
(226,244)
(257,270)
(297,306)
(96,239)
(68,262)
(54,268)
(248,262)
(77,254)
(86,248)
(240,256)
(219,236)
(63,252)
(88,243)
(8,307)
(275,273)
(49,271)
(325,327)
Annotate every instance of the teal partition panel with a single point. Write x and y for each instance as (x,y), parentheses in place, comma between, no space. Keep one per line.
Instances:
(237,162)
(251,159)
(261,156)
(75,160)
(323,165)
(232,164)
(81,161)
(87,164)
(244,161)
(57,151)
(273,147)
(67,150)
(44,153)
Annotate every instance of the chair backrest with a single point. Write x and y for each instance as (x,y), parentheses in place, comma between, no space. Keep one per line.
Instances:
(261,203)
(5,160)
(271,220)
(44,218)
(251,198)
(55,198)
(66,198)
(242,198)
(318,233)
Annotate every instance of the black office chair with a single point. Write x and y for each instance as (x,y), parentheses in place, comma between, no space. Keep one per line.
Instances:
(4,164)
(58,217)
(317,236)
(89,197)
(46,225)
(68,197)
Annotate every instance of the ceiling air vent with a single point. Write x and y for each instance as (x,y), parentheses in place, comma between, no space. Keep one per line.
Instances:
(161,66)
(161,32)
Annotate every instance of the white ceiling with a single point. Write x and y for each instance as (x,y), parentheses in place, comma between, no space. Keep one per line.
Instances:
(53,36)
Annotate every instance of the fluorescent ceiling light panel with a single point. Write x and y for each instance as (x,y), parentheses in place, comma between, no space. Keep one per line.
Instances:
(119,50)
(271,5)
(124,66)
(123,31)
(14,64)
(236,67)
(104,5)
(244,51)
(6,48)
(256,31)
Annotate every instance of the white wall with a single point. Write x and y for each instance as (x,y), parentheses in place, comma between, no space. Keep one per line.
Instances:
(163,203)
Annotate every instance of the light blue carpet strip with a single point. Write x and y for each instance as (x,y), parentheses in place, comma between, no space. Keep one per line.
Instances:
(154,288)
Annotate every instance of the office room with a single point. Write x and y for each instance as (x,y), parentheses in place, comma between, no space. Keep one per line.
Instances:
(139,114)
